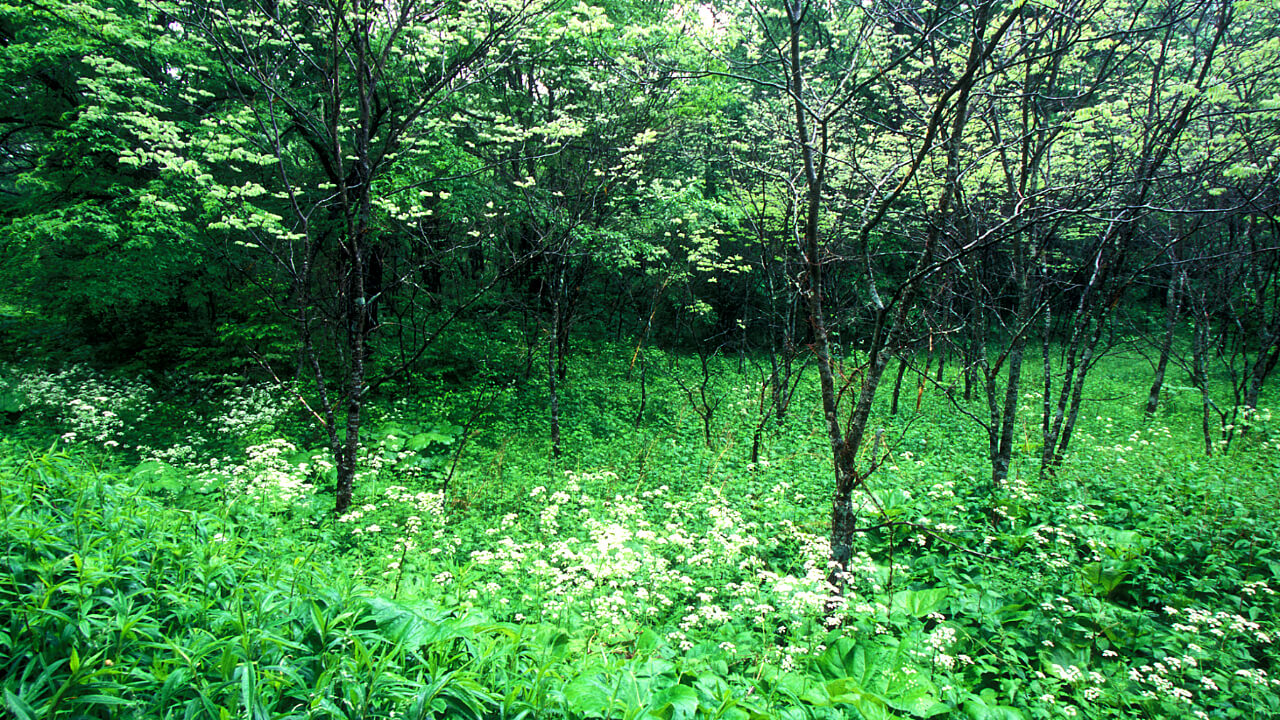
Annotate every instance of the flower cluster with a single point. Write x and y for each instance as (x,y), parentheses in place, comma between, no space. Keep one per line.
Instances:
(88,405)
(1218,624)
(696,564)
(268,476)
(250,411)
(402,525)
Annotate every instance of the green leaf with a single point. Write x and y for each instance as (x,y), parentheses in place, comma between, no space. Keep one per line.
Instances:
(677,702)
(419,441)
(977,708)
(588,695)
(916,698)
(918,603)
(18,706)
(11,401)
(846,691)
(414,625)
(847,658)
(102,700)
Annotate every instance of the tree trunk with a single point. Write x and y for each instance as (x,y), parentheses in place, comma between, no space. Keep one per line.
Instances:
(1268,354)
(972,350)
(1199,376)
(897,385)
(1086,363)
(1003,455)
(356,201)
(890,318)
(1171,300)
(780,379)
(553,355)
(1078,353)
(1004,449)
(644,391)
(1046,388)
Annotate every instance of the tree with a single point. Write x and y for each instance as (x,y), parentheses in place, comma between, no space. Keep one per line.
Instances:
(859,147)
(582,140)
(1028,193)
(92,234)
(311,165)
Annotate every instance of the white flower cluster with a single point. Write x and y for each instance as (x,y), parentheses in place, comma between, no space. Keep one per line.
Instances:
(90,405)
(250,410)
(619,566)
(266,477)
(1218,623)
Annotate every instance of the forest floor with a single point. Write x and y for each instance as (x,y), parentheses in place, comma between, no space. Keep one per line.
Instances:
(172,552)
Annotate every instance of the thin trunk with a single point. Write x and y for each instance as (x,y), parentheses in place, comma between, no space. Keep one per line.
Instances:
(1087,361)
(843,448)
(897,386)
(777,379)
(1004,450)
(843,517)
(708,409)
(1003,455)
(553,356)
(1171,299)
(924,375)
(644,392)
(890,320)
(1053,427)
(1265,362)
(991,390)
(972,344)
(1058,431)
(780,379)
(1046,404)
(764,410)
(357,206)
(1199,376)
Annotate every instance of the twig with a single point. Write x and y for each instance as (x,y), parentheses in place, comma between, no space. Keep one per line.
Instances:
(266,366)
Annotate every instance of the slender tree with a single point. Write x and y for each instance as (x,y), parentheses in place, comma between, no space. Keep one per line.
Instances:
(333,102)
(868,53)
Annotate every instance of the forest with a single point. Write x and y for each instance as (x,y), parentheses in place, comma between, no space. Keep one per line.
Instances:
(639,359)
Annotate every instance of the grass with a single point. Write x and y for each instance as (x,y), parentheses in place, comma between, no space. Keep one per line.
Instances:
(176,558)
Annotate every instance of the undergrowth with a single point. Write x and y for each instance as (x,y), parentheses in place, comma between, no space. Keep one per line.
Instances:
(199,572)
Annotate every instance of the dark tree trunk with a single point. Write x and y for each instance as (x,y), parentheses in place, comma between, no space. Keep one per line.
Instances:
(782,384)
(972,350)
(1086,331)
(897,385)
(1263,364)
(1172,300)
(1199,376)
(1087,360)
(554,348)
(644,392)
(1008,419)
(1002,447)
(890,318)
(356,201)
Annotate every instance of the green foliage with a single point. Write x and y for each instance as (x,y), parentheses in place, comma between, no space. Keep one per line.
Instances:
(648,577)
(318,192)
(93,233)
(113,603)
